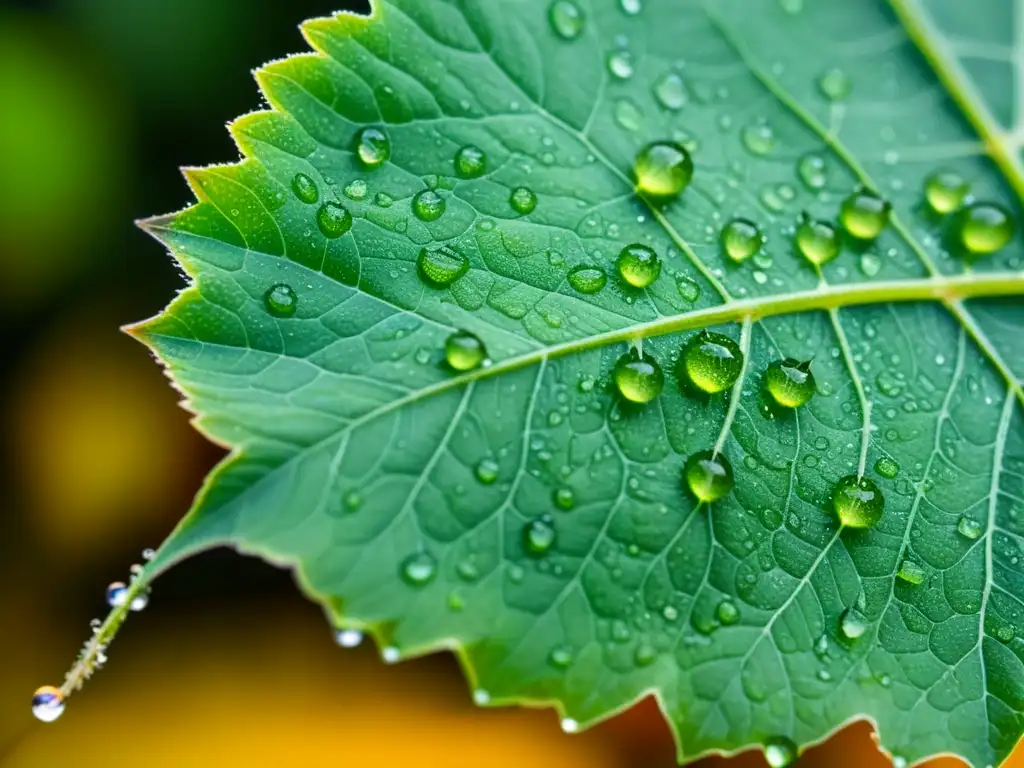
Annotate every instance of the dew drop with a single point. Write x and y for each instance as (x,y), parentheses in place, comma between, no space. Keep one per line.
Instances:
(911,572)
(139,602)
(372,147)
(627,114)
(727,613)
(487,471)
(812,171)
(983,228)
(663,169)
(47,703)
(419,569)
(780,752)
(870,264)
(427,205)
(333,219)
(852,624)
(348,638)
(630,7)
(356,190)
(305,189)
(790,382)
(281,300)
(670,91)
(817,240)
(470,162)
(887,467)
(587,279)
(569,725)
(969,528)
(390,654)
(117,594)
(564,498)
(759,138)
(539,535)
(858,502)
(560,657)
(688,288)
(741,239)
(523,200)
(945,191)
(638,379)
(464,351)
(441,266)
(834,84)
(707,476)
(566,19)
(864,215)
(644,655)
(639,265)
(711,361)
(620,64)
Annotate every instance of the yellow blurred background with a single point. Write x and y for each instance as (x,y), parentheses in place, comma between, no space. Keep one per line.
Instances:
(101,101)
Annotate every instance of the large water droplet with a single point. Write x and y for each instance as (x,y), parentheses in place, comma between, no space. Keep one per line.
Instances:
(911,572)
(523,200)
(864,214)
(587,279)
(741,239)
(539,535)
(790,382)
(812,172)
(333,219)
(834,84)
(663,169)
(117,594)
(372,147)
(983,228)
(708,476)
(759,138)
(566,19)
(464,351)
(639,265)
(442,266)
(945,191)
(969,528)
(305,189)
(427,205)
(419,569)
(852,624)
(780,752)
(816,240)
(858,502)
(727,613)
(670,91)
(470,162)
(638,379)
(281,300)
(711,361)
(47,703)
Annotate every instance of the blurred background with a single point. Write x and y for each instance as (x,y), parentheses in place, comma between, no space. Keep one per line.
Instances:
(100,102)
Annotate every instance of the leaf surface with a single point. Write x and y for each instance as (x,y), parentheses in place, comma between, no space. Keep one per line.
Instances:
(403,494)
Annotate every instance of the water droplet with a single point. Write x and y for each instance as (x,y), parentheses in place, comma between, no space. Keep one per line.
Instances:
(911,572)
(817,240)
(708,477)
(539,535)
(464,351)
(741,239)
(566,19)
(348,638)
(858,502)
(390,654)
(887,467)
(523,200)
(630,7)
(945,191)
(560,657)
(117,593)
(419,569)
(780,752)
(470,162)
(481,697)
(487,471)
(790,382)
(864,214)
(759,138)
(644,655)
(711,361)
(569,725)
(852,623)
(688,288)
(587,279)
(281,300)
(969,528)
(638,379)
(1005,634)
(639,265)
(427,205)
(983,228)
(812,171)
(47,703)
(139,602)
(564,498)
(727,612)
(383,200)
(620,64)
(305,189)
(834,85)
(372,147)
(670,91)
(627,114)
(333,219)
(356,190)
(663,169)
(442,266)
(870,264)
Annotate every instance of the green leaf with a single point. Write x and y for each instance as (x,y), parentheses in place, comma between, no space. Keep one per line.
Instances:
(523,514)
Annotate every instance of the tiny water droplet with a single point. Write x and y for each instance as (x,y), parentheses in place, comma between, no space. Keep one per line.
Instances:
(887,467)
(560,657)
(812,171)
(780,752)
(858,502)
(564,498)
(711,361)
(759,138)
(620,64)
(419,569)
(390,654)
(984,228)
(630,7)
(870,264)
(470,162)
(639,265)
(663,169)
(969,528)
(441,266)
(539,535)
(348,638)
(305,189)
(727,613)
(638,379)
(372,147)
(670,91)
(569,725)
(356,190)
(566,19)
(427,205)
(523,200)
(281,300)
(333,219)
(741,239)
(464,351)
(688,288)
(47,703)
(817,240)
(644,655)
(117,593)
(139,602)
(487,471)
(790,382)
(835,84)
(707,476)
(945,191)
(853,624)
(864,214)
(587,279)
(911,572)
(481,697)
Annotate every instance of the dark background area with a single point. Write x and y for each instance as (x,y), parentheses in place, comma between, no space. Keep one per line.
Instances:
(101,101)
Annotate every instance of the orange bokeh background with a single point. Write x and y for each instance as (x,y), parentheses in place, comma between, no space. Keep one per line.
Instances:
(102,100)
